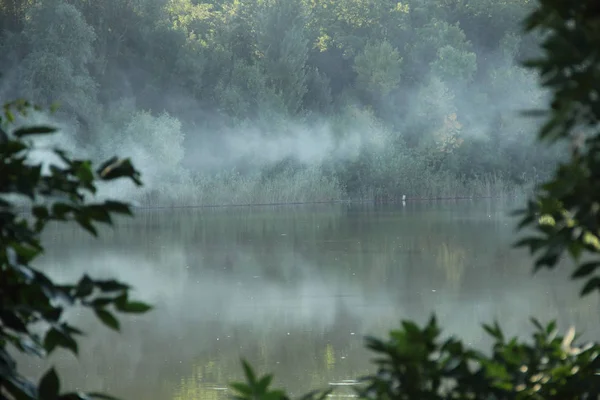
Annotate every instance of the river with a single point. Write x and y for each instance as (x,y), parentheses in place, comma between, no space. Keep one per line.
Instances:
(294,289)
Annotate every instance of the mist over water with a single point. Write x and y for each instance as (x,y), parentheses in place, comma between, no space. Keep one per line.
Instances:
(295,290)
(312,144)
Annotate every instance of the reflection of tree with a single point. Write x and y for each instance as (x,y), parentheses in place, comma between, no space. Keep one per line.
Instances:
(195,386)
(448,138)
(303,358)
(273,243)
(319,273)
(452,261)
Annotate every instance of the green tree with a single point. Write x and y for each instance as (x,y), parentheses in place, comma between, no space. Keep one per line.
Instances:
(378,69)
(56,68)
(12,14)
(318,97)
(31,305)
(263,62)
(246,94)
(282,43)
(487,21)
(426,42)
(453,65)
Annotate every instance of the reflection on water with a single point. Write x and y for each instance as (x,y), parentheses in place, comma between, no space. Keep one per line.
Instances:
(294,290)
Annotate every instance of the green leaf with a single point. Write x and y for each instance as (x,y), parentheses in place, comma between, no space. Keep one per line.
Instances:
(101,302)
(13,147)
(115,168)
(12,321)
(536,323)
(63,155)
(575,249)
(591,285)
(111,285)
(585,269)
(34,130)
(118,207)
(551,328)
(264,383)
(97,213)
(85,287)
(56,338)
(534,243)
(86,224)
(250,376)
(40,212)
(241,388)
(412,330)
(135,307)
(60,210)
(84,172)
(102,396)
(548,260)
(494,331)
(107,318)
(9,115)
(49,386)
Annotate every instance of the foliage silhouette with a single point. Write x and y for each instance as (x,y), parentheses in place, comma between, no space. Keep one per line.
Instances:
(31,305)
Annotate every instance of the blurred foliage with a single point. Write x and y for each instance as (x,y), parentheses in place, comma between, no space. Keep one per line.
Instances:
(379,68)
(565,214)
(415,363)
(32,306)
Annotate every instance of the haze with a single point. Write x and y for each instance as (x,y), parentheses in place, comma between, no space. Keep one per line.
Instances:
(277,101)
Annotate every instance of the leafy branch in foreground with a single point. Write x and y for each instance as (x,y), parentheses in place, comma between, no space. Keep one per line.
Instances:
(258,388)
(31,304)
(415,363)
(565,215)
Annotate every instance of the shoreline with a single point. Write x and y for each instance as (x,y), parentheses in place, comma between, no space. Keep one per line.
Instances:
(299,203)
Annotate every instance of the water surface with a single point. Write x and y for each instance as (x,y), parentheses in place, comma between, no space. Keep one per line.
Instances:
(294,290)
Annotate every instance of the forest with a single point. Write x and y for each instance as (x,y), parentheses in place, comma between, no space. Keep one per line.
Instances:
(278,101)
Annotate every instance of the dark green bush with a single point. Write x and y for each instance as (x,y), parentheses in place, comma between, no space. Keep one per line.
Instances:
(31,304)
(416,363)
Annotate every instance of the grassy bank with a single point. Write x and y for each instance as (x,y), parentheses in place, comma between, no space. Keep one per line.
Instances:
(313,185)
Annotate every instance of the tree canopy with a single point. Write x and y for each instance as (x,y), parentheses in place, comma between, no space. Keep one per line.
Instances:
(227,69)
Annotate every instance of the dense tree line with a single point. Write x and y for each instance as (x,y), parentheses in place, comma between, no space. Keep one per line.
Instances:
(435,81)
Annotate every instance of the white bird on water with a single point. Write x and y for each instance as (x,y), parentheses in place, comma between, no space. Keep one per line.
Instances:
(403,200)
